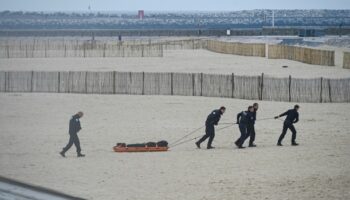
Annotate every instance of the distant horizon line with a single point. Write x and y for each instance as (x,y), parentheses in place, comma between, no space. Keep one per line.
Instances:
(163,11)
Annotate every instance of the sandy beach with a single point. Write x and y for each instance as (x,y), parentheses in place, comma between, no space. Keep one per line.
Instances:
(34,129)
(196,61)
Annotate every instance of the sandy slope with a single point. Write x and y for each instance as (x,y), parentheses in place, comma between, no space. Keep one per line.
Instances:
(181,61)
(34,129)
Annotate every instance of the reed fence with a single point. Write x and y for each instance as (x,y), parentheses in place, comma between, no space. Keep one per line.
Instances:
(184,84)
(301,54)
(346,60)
(243,49)
(46,48)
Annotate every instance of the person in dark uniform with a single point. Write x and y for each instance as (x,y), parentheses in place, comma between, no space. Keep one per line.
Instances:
(212,119)
(292,118)
(243,119)
(74,128)
(251,128)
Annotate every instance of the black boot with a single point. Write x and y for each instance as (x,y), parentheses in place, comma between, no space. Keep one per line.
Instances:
(198,145)
(210,147)
(279,144)
(294,144)
(80,155)
(62,153)
(237,143)
(252,145)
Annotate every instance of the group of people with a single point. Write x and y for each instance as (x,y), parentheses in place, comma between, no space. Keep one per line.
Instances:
(246,121)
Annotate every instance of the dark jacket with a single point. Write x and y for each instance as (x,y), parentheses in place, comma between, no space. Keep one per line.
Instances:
(74,124)
(214,117)
(292,116)
(254,116)
(245,117)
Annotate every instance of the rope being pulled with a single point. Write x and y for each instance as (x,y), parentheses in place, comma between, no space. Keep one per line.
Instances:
(190,133)
(185,141)
(180,141)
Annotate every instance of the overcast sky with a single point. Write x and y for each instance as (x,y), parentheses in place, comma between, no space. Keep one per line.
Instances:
(167,5)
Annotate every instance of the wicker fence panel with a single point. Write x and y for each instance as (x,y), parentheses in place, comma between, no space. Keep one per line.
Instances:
(45,81)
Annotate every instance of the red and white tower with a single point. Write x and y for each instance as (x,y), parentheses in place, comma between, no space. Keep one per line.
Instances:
(141,14)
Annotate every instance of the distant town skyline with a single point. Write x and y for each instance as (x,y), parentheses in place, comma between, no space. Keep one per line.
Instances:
(164,5)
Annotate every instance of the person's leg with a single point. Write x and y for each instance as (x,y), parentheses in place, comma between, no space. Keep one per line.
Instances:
(249,128)
(284,131)
(238,141)
(245,135)
(252,136)
(211,136)
(243,130)
(69,145)
(77,143)
(198,143)
(294,134)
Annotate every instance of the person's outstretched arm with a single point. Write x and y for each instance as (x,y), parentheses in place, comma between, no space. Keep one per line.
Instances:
(281,115)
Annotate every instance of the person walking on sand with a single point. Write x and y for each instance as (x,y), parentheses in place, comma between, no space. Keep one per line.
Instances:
(292,118)
(243,119)
(74,128)
(212,119)
(251,128)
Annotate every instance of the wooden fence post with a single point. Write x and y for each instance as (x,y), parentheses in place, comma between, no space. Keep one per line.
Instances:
(233,85)
(84,50)
(114,88)
(128,86)
(262,86)
(143,83)
(290,85)
(86,85)
(172,83)
(201,84)
(31,81)
(329,90)
(59,82)
(6,81)
(321,90)
(45,52)
(8,51)
(193,85)
(69,81)
(104,50)
(142,49)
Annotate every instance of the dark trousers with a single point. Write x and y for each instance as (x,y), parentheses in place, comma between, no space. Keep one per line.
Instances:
(251,133)
(73,139)
(288,125)
(244,134)
(209,133)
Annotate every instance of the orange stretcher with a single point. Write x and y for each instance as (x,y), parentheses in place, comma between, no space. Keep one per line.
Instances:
(121,149)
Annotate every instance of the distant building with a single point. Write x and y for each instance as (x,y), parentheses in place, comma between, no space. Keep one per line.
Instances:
(141,14)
